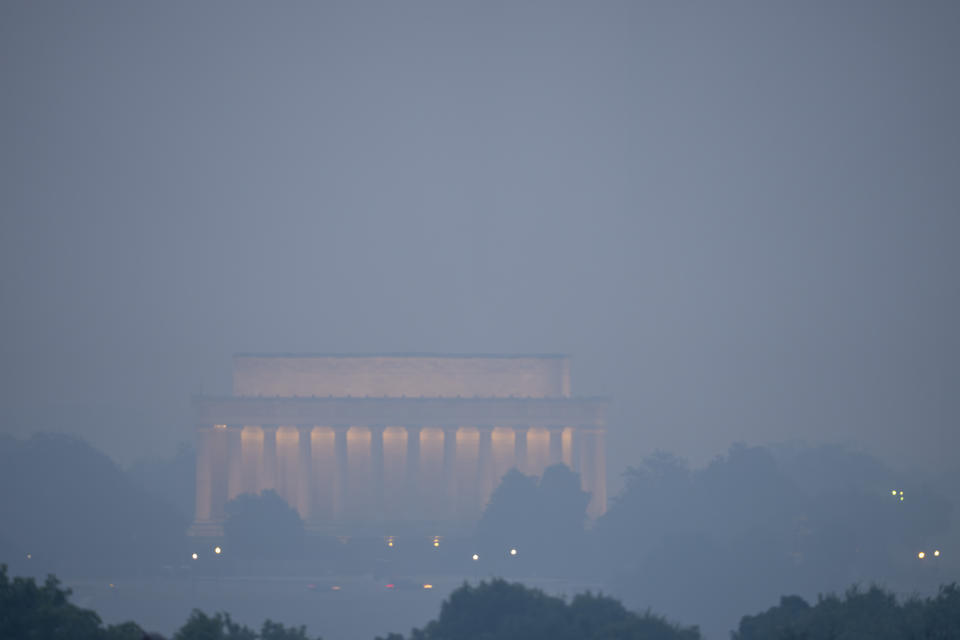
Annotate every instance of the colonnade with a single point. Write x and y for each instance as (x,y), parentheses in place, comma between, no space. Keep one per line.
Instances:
(382,473)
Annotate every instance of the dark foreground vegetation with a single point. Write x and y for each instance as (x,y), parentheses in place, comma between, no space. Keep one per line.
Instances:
(873,614)
(498,610)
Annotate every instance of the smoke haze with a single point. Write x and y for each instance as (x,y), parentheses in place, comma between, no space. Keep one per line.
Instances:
(740,219)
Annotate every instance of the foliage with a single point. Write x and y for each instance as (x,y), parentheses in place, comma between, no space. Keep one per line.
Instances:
(873,614)
(498,610)
(813,521)
(28,610)
(263,526)
(75,511)
(220,626)
(545,519)
(173,479)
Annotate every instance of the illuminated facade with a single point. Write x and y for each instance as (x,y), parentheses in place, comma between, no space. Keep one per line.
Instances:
(354,441)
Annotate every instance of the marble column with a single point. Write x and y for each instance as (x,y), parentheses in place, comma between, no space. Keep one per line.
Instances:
(376,469)
(556,445)
(600,481)
(268,472)
(413,470)
(220,471)
(305,471)
(234,461)
(485,464)
(450,470)
(593,471)
(204,473)
(520,449)
(342,474)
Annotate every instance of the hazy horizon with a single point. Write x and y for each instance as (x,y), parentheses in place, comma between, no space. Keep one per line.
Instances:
(739,219)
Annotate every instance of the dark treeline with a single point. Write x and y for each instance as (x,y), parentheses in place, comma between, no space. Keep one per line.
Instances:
(498,610)
(69,509)
(699,545)
(703,544)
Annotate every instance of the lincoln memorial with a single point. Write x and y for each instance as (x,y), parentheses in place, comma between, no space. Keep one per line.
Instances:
(364,442)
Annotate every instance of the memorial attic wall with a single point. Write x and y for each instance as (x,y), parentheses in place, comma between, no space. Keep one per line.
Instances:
(397,376)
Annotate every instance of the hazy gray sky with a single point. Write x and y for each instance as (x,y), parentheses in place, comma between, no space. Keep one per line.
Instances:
(740,219)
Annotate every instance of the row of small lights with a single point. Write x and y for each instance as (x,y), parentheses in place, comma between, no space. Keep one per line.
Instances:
(391,541)
(216,550)
(898,494)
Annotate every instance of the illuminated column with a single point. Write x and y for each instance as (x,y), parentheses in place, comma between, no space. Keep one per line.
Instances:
(576,444)
(600,501)
(593,477)
(251,445)
(450,469)
(340,455)
(268,472)
(484,470)
(324,481)
(204,473)
(431,490)
(520,449)
(219,473)
(305,471)
(394,473)
(566,442)
(376,468)
(556,445)
(413,469)
(234,461)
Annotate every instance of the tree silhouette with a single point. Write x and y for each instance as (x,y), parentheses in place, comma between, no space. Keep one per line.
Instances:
(28,610)
(262,527)
(220,626)
(543,519)
(74,510)
(498,610)
(874,613)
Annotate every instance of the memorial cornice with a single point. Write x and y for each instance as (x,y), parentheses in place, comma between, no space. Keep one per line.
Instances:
(583,412)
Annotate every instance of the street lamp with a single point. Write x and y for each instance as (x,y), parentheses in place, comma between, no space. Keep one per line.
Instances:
(217,550)
(513,551)
(194,556)
(476,557)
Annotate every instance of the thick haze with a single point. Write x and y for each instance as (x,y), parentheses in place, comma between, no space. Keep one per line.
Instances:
(741,220)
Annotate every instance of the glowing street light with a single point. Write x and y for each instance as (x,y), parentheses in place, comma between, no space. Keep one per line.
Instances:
(476,557)
(194,556)
(217,550)
(513,552)
(936,552)
(921,555)
(436,541)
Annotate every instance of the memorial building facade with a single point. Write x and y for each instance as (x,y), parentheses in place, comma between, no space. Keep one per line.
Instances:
(371,442)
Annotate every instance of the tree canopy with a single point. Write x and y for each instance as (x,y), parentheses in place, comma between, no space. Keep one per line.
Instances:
(498,610)
(263,526)
(75,511)
(220,626)
(29,610)
(874,613)
(542,518)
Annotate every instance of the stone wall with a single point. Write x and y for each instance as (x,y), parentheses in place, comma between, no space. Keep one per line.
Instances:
(401,375)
